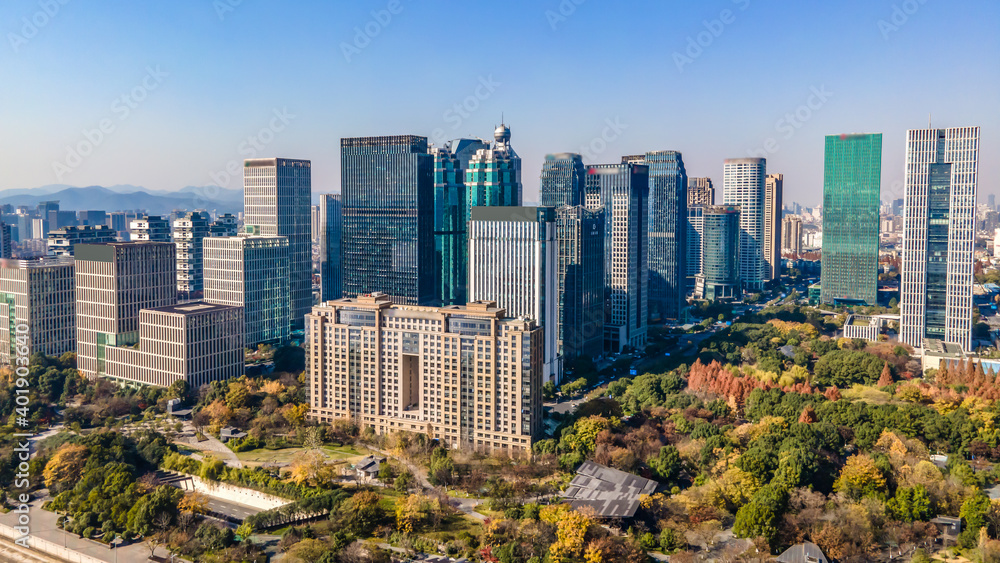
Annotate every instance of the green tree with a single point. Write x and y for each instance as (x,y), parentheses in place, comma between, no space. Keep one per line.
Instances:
(974,511)
(666,465)
(911,504)
(760,517)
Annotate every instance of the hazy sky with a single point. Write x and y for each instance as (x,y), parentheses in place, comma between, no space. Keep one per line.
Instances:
(186,88)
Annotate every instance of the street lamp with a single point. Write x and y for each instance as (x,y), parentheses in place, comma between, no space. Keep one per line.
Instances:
(116,546)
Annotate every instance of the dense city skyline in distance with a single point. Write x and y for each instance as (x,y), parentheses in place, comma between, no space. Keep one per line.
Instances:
(174,95)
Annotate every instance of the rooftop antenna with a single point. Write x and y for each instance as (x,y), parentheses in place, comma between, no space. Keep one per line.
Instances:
(929,121)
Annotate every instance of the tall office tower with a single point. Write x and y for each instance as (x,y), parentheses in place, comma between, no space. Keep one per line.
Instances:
(189,232)
(378,364)
(493,176)
(513,261)
(6,241)
(563,180)
(700,192)
(668,191)
(225,225)
(40,294)
(62,241)
(450,234)
(451,252)
(580,281)
(791,234)
(623,191)
(720,277)
(695,231)
(113,282)
(315,223)
(991,200)
(939,236)
(329,247)
(152,228)
(252,272)
(92,218)
(773,186)
(743,185)
(851,181)
(388,218)
(276,201)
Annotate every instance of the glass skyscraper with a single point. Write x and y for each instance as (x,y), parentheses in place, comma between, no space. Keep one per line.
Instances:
(563,180)
(851,188)
(580,279)
(493,176)
(329,247)
(668,194)
(450,219)
(623,191)
(387,245)
(276,202)
(939,228)
(720,277)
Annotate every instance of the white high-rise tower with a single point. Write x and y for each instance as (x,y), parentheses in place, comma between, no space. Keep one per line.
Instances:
(743,185)
(939,228)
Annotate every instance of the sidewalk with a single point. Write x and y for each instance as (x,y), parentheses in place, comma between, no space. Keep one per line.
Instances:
(43,525)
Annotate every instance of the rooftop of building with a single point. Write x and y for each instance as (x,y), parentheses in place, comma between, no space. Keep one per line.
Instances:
(380,300)
(518,214)
(610,492)
(193,308)
(940,348)
(41,262)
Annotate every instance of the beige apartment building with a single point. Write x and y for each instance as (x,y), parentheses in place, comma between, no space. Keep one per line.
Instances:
(463,374)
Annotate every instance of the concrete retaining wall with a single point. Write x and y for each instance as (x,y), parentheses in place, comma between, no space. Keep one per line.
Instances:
(50,548)
(232,493)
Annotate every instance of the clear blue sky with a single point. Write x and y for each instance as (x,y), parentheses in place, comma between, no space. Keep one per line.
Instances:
(556,79)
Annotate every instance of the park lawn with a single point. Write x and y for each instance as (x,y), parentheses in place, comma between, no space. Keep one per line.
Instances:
(348,454)
(868,394)
(454,525)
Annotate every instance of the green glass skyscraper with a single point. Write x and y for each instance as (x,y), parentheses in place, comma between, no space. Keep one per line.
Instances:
(851,184)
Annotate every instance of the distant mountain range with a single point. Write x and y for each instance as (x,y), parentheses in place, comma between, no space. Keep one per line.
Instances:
(128,197)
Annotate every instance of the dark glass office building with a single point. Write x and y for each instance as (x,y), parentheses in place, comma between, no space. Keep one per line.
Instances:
(387,214)
(331,285)
(851,181)
(720,277)
(667,233)
(580,273)
(563,179)
(623,191)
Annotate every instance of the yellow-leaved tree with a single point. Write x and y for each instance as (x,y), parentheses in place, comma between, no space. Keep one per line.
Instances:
(64,468)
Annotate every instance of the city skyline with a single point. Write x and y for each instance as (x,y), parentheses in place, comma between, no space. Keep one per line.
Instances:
(190,103)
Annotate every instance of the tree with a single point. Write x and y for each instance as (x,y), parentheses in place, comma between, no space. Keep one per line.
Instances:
(65,467)
(291,359)
(885,379)
(363,513)
(760,517)
(860,477)
(911,504)
(975,510)
(666,465)
(193,502)
(244,531)
(549,391)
